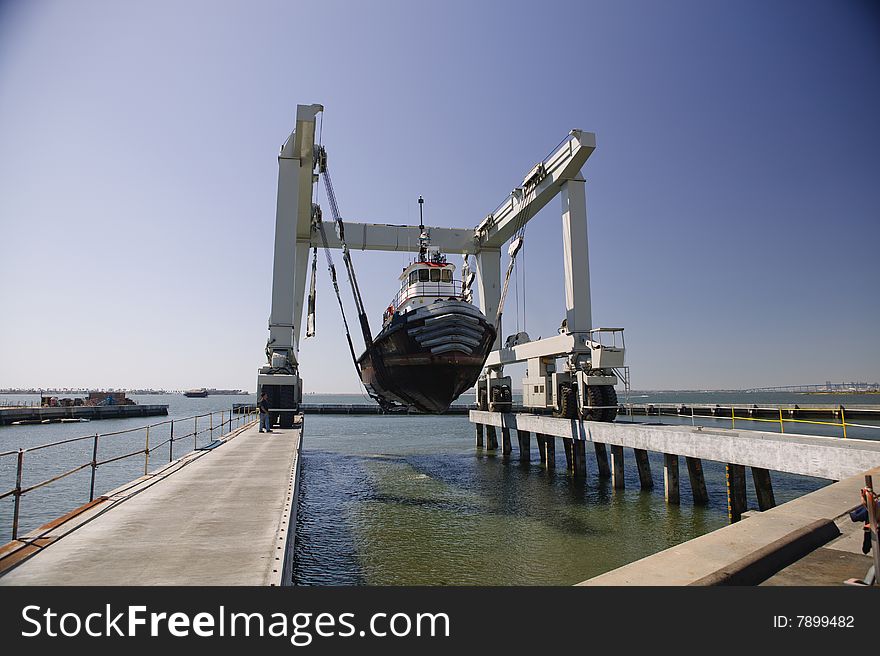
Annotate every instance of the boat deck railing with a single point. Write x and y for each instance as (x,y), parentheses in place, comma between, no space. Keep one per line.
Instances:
(449,289)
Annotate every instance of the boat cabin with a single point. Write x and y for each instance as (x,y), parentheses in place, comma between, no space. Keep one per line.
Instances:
(422,283)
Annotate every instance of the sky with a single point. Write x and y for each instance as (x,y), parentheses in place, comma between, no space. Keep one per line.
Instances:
(733,199)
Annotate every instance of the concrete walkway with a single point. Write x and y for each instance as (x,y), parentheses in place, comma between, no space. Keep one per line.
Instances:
(759,537)
(218,517)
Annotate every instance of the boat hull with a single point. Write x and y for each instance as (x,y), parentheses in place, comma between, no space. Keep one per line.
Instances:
(426,358)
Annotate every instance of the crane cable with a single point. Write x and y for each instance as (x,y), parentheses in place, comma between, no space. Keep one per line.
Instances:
(515,246)
(317,222)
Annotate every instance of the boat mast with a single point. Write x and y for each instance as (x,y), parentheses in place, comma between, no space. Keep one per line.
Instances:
(423,235)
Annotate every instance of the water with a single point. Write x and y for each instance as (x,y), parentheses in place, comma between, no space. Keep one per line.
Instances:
(409,500)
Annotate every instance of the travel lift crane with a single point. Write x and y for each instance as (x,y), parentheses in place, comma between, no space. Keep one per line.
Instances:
(593,357)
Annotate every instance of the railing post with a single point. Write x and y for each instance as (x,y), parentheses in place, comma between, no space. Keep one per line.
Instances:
(147,453)
(18,470)
(781,422)
(171,443)
(195,433)
(732,416)
(843,421)
(211,422)
(94,468)
(222,422)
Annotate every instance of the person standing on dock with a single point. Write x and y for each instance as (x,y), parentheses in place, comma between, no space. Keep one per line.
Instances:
(264,413)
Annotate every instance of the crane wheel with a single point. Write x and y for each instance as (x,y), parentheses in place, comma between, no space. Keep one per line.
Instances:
(609,397)
(594,397)
(567,403)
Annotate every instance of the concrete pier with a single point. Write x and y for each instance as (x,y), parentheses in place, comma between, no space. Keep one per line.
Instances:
(491,438)
(644,467)
(525,446)
(736,491)
(550,450)
(617,480)
(506,447)
(479,429)
(569,455)
(697,480)
(831,458)
(220,517)
(602,460)
(579,453)
(670,478)
(807,541)
(763,488)
(48,414)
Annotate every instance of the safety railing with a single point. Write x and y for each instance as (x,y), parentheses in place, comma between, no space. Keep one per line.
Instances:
(779,416)
(214,426)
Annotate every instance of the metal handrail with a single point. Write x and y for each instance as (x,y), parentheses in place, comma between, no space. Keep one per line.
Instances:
(227,420)
(780,420)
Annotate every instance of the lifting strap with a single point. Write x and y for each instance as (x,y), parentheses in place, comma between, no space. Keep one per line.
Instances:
(349,267)
(310,320)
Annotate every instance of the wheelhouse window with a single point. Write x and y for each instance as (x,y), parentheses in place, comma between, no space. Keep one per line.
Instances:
(423,275)
(447,275)
(435,275)
(413,277)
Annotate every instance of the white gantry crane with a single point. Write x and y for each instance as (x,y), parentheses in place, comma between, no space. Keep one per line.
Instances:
(592,358)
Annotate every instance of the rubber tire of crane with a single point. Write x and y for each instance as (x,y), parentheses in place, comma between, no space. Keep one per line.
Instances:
(567,403)
(286,400)
(609,395)
(594,397)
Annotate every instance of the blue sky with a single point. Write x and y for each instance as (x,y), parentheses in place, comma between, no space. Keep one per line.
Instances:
(733,199)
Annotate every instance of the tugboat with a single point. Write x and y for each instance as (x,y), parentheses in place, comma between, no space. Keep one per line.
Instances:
(434,341)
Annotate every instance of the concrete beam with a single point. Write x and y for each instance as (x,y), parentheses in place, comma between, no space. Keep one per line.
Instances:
(822,457)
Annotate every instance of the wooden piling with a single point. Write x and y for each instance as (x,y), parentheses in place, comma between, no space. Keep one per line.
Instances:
(550,450)
(506,447)
(541,442)
(479,435)
(569,454)
(617,481)
(698,481)
(736,491)
(525,446)
(579,451)
(491,438)
(763,488)
(670,478)
(602,460)
(644,466)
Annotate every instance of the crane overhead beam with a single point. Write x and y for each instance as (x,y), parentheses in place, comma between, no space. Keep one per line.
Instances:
(545,180)
(386,237)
